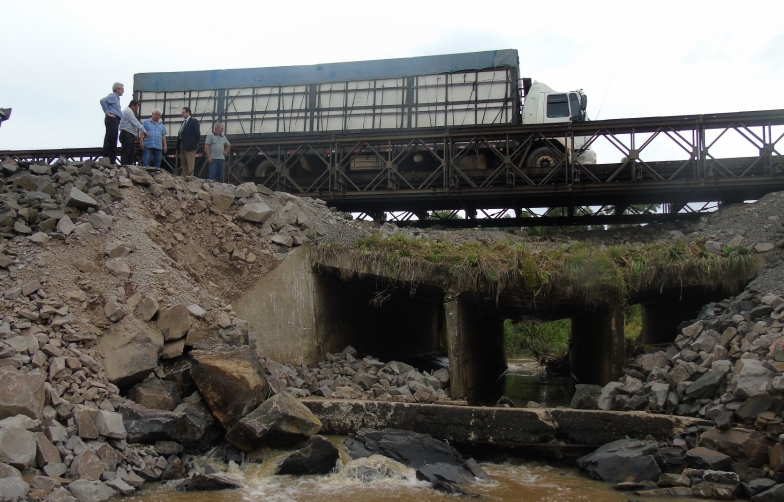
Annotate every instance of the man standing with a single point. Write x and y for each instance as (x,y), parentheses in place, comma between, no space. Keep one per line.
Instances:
(217,146)
(130,129)
(188,141)
(155,144)
(112,113)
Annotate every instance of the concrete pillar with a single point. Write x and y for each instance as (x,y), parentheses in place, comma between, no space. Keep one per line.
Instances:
(660,320)
(477,349)
(597,350)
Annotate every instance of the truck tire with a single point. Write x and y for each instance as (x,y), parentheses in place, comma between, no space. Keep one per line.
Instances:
(543,157)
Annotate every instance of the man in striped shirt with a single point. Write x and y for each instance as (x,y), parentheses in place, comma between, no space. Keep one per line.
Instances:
(130,129)
(155,144)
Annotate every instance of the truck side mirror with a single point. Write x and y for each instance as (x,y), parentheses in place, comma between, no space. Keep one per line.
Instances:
(5,114)
(583,102)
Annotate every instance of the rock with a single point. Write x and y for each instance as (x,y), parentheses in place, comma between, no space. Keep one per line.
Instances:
(6,471)
(174,322)
(109,424)
(144,425)
(86,465)
(258,212)
(231,381)
(113,311)
(118,268)
(410,448)
(110,458)
(756,486)
(283,240)
(100,221)
(713,246)
(173,349)
(39,238)
(21,393)
(245,190)
(753,406)
(317,457)
(775,494)
(445,477)
(85,266)
(147,308)
(65,226)
(628,460)
(45,451)
(374,468)
(168,448)
(764,247)
(130,350)
(13,489)
(704,458)
(280,421)
(17,447)
(751,377)
(199,418)
(196,311)
(586,397)
(30,287)
(706,385)
(84,422)
(80,200)
(117,249)
(121,486)
(175,469)
(156,394)
(740,444)
(201,482)
(90,491)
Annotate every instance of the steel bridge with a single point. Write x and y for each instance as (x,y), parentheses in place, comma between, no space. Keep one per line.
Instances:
(425,176)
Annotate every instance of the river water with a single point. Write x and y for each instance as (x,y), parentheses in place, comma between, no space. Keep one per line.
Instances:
(514,480)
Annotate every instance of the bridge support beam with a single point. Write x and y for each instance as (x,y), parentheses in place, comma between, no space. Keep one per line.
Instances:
(597,350)
(660,320)
(477,350)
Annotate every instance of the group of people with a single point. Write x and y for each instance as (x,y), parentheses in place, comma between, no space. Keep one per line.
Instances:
(152,134)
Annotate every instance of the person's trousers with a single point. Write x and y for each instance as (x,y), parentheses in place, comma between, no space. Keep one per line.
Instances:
(128,151)
(216,169)
(153,154)
(188,160)
(110,138)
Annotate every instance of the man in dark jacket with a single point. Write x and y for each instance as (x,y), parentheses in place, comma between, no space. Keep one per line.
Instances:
(188,140)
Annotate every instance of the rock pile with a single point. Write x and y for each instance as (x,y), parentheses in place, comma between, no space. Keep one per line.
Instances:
(344,376)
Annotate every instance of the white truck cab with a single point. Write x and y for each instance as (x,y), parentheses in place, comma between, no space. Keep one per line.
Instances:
(544,105)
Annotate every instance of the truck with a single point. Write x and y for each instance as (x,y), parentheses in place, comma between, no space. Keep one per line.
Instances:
(451,91)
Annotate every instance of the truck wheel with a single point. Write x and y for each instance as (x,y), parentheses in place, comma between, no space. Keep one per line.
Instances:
(543,157)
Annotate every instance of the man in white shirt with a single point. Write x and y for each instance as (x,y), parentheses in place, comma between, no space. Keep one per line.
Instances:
(130,130)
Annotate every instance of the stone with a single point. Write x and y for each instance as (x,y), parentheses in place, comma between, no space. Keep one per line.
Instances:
(764,247)
(130,350)
(283,240)
(280,421)
(200,419)
(80,200)
(110,458)
(21,393)
(39,238)
(751,377)
(756,486)
(706,385)
(753,406)
(121,486)
(167,448)
(90,491)
(741,444)
(13,489)
(625,460)
(445,477)
(86,465)
(144,425)
(173,349)
(231,381)
(109,424)
(775,494)
(119,268)
(147,308)
(258,212)
(85,266)
(17,447)
(317,457)
(196,311)
(174,322)
(6,471)
(113,311)
(100,221)
(30,287)
(203,482)
(704,458)
(374,468)
(245,190)
(156,394)
(21,228)
(117,249)
(714,246)
(45,451)
(84,422)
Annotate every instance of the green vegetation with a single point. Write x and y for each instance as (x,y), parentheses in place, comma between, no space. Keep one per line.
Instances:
(598,274)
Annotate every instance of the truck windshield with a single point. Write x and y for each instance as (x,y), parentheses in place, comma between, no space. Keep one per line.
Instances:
(574,102)
(557,106)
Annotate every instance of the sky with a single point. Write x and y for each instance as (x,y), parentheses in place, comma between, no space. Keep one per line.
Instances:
(632,58)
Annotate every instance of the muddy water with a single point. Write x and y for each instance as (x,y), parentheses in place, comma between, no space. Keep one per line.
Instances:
(526,481)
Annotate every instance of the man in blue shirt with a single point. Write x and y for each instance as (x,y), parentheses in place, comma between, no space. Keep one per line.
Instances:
(113,114)
(155,144)
(130,129)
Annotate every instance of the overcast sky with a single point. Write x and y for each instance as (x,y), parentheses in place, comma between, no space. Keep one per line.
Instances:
(641,58)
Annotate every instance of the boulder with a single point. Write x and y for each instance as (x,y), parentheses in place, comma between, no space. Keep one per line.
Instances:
(45,452)
(625,460)
(110,458)
(6,471)
(201,482)
(109,424)
(200,419)
(586,396)
(445,477)
(130,350)
(704,458)
(409,448)
(757,486)
(156,394)
(119,268)
(86,465)
(775,494)
(13,488)
(317,457)
(751,377)
(78,199)
(753,406)
(230,380)
(144,425)
(65,226)
(706,385)
(222,201)
(374,468)
(258,212)
(21,393)
(17,447)
(280,421)
(741,444)
(119,485)
(245,190)
(90,491)
(147,308)
(175,469)
(174,322)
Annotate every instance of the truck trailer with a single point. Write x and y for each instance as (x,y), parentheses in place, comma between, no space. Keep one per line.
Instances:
(445,91)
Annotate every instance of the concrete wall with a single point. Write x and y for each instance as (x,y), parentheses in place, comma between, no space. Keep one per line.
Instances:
(597,346)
